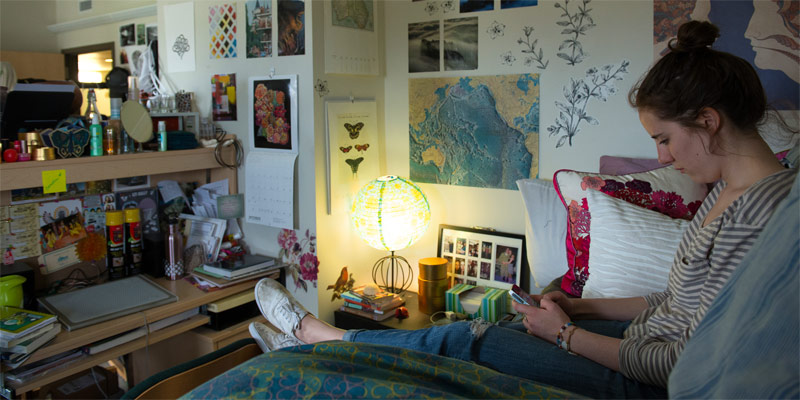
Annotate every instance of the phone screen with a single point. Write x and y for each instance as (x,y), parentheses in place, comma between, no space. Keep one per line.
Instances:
(520,296)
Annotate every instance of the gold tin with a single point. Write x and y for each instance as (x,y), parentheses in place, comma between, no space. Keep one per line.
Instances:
(44,154)
(432,268)
(432,284)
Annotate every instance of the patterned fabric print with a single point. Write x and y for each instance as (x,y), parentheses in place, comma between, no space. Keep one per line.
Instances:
(637,192)
(360,370)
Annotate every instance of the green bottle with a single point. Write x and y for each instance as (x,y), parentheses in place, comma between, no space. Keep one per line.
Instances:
(96,136)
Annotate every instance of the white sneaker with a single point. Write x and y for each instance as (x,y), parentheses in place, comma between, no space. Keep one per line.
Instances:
(269,340)
(279,307)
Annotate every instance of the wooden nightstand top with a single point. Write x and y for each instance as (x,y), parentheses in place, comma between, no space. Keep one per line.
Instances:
(415,320)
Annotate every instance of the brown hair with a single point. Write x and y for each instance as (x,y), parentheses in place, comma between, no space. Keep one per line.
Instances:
(693,76)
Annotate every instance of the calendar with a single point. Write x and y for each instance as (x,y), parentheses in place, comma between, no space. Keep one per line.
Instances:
(269,189)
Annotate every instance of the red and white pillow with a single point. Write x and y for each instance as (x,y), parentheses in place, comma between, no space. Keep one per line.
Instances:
(665,190)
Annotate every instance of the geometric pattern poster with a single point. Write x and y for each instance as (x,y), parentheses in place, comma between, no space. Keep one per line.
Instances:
(222,31)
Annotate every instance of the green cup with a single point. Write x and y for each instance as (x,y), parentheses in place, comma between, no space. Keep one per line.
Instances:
(11,290)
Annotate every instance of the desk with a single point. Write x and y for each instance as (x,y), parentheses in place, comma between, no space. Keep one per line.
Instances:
(188,297)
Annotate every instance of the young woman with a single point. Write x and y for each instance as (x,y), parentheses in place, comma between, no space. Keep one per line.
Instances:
(702,108)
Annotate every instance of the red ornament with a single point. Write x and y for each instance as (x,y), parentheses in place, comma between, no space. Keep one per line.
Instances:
(401,313)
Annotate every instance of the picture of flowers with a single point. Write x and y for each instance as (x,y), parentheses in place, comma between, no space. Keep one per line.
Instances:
(273,102)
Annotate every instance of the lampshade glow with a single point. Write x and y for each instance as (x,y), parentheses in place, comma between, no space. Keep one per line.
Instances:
(391,213)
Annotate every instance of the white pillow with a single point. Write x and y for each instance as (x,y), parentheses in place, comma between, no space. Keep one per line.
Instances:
(545,229)
(632,248)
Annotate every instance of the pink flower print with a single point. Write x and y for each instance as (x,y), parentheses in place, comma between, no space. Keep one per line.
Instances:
(634,197)
(639,186)
(280,111)
(287,239)
(612,186)
(693,207)
(669,203)
(592,182)
(308,267)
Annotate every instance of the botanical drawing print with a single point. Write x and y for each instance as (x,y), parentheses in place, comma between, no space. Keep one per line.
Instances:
(322,88)
(431,8)
(300,257)
(448,5)
(496,29)
(574,25)
(530,49)
(507,58)
(598,84)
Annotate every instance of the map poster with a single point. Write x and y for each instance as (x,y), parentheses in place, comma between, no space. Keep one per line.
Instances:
(480,131)
(352,149)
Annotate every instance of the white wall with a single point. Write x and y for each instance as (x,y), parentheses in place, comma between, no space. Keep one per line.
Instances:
(23,26)
(623,31)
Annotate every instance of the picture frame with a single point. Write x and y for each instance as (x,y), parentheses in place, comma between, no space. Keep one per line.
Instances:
(483,257)
(272,104)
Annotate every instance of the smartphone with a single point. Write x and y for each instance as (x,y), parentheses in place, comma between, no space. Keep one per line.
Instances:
(521,297)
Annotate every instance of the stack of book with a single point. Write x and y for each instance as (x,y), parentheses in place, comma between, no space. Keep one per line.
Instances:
(379,306)
(22,332)
(227,272)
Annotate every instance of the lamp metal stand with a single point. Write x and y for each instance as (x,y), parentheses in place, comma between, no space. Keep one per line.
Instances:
(393,273)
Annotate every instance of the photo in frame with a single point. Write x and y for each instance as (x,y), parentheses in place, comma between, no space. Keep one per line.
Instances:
(273,113)
(483,257)
(132,182)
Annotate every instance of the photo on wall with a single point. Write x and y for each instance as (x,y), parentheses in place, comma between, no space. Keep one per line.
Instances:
(259,28)
(423,46)
(223,97)
(460,44)
(273,108)
(483,257)
(291,28)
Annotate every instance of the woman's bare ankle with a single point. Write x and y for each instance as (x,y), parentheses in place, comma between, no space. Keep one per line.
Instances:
(312,330)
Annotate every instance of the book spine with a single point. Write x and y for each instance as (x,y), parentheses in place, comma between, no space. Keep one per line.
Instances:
(366,314)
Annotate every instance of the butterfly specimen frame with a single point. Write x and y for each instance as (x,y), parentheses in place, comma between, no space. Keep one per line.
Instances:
(352,143)
(273,113)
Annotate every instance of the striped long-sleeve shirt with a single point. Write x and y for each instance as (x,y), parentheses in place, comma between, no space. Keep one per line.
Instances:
(706,258)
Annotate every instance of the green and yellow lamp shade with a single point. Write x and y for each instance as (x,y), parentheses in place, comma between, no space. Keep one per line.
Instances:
(391,213)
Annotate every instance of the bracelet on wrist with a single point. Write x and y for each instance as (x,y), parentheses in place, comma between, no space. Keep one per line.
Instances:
(563,343)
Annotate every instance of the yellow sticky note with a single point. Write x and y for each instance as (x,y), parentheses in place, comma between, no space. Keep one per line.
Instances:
(54,181)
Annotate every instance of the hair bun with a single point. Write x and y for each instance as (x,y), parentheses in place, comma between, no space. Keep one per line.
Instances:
(695,35)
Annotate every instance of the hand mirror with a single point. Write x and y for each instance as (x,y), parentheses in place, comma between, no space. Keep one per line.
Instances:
(136,121)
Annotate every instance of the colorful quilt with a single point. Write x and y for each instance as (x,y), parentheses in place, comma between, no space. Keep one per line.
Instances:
(360,370)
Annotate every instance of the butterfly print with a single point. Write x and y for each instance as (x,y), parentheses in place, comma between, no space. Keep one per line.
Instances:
(345,149)
(353,163)
(354,130)
(362,147)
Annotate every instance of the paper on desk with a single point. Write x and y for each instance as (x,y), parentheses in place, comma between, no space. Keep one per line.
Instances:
(205,231)
(269,194)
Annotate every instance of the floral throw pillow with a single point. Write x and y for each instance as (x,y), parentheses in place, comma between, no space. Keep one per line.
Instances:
(665,190)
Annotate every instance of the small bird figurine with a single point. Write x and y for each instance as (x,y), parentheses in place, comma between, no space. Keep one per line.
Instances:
(343,283)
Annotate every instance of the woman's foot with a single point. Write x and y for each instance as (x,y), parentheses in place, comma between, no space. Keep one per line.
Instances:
(269,340)
(286,314)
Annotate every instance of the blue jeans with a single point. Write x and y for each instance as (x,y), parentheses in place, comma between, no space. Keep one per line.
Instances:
(507,348)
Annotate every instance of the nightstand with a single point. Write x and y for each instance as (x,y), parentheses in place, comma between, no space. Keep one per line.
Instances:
(415,320)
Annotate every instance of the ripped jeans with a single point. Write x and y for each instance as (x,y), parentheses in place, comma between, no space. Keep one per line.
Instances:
(507,347)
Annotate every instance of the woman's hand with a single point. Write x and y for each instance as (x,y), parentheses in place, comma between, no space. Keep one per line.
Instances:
(544,321)
(564,302)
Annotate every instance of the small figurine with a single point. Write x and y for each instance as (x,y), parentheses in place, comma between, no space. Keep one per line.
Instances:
(401,312)
(343,283)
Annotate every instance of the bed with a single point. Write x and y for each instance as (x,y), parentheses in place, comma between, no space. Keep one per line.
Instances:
(711,369)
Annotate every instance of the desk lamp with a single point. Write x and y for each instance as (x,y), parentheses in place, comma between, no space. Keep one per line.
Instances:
(391,213)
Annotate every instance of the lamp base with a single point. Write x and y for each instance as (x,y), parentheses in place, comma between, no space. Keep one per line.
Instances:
(392,273)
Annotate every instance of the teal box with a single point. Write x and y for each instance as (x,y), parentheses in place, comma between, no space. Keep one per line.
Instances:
(490,302)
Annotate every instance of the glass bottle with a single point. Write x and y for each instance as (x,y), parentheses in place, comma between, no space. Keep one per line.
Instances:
(173,263)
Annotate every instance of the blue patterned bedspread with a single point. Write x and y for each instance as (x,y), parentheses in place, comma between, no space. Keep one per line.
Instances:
(360,370)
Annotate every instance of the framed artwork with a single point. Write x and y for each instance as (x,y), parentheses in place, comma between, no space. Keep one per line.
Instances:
(273,113)
(132,182)
(483,257)
(352,142)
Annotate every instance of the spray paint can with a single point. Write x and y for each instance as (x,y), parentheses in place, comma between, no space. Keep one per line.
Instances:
(133,242)
(115,245)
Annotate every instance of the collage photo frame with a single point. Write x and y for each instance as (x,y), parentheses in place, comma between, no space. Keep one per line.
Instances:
(483,257)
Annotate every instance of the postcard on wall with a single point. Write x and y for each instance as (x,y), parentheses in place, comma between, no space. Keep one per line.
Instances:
(179,37)
(222,31)
(146,200)
(223,97)
(291,27)
(259,28)
(53,211)
(20,236)
(353,155)
(272,113)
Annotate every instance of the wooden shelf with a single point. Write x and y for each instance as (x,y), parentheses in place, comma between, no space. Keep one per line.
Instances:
(90,361)
(21,175)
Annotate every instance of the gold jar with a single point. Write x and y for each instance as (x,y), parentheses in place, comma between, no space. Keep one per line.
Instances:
(432,284)
(44,154)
